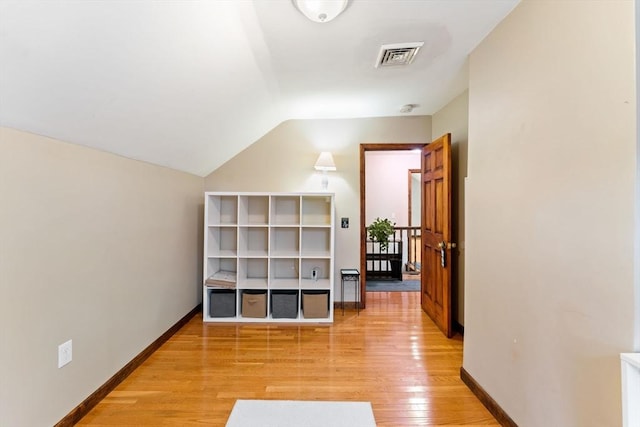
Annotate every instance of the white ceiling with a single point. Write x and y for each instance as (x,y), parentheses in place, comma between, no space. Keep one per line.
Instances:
(189,84)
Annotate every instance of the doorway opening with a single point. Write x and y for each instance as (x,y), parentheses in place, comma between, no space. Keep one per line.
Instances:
(398,260)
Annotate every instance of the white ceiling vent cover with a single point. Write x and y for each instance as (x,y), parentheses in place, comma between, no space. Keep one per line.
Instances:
(397,54)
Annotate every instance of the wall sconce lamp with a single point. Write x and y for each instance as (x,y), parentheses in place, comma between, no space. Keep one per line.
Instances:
(321,10)
(325,163)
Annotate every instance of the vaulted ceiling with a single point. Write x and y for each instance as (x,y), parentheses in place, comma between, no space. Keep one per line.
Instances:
(189,84)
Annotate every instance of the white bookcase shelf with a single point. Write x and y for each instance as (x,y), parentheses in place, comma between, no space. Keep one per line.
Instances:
(268,257)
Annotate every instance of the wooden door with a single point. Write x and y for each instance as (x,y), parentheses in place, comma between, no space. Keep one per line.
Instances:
(436,232)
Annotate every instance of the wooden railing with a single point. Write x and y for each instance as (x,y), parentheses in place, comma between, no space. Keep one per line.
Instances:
(401,255)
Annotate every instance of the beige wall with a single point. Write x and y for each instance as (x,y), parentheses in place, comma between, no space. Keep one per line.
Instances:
(454,119)
(636,345)
(95,248)
(283,161)
(550,219)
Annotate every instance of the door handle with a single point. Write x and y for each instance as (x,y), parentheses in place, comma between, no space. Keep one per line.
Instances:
(443,246)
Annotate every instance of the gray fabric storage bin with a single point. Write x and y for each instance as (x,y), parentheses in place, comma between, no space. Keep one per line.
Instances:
(222,303)
(284,304)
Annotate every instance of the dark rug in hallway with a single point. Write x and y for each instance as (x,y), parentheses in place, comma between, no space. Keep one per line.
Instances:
(393,286)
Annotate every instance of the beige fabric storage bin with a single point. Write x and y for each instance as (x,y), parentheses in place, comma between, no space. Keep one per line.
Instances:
(254,303)
(315,304)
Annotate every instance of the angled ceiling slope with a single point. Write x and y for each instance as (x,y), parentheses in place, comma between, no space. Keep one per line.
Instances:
(190,84)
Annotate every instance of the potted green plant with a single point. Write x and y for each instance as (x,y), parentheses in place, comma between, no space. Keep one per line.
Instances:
(380,230)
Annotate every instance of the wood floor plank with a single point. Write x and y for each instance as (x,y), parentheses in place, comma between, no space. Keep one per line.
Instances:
(391,355)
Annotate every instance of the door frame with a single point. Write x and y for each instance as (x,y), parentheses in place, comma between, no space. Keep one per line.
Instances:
(363,234)
(410,200)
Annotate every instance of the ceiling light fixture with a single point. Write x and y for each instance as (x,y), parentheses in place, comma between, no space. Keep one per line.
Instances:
(407,108)
(321,10)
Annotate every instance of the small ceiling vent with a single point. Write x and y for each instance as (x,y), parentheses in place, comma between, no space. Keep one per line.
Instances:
(397,54)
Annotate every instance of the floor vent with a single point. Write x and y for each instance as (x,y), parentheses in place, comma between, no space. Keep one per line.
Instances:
(397,54)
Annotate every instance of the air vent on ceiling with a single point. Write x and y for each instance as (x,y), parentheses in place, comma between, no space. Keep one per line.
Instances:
(397,54)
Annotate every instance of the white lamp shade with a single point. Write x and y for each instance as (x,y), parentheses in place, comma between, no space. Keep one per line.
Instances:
(321,10)
(325,162)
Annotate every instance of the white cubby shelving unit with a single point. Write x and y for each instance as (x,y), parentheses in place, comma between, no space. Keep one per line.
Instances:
(276,253)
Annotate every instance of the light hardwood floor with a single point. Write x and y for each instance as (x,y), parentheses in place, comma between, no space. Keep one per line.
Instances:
(391,355)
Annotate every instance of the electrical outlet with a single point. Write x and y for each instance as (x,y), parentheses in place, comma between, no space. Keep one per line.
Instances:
(65,353)
(344,223)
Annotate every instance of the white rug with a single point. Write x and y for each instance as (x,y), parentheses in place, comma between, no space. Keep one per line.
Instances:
(298,413)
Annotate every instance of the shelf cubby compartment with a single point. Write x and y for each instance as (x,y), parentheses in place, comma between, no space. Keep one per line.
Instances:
(285,241)
(315,273)
(284,304)
(222,210)
(284,273)
(285,210)
(222,241)
(221,303)
(216,265)
(316,210)
(316,242)
(254,210)
(253,241)
(253,273)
